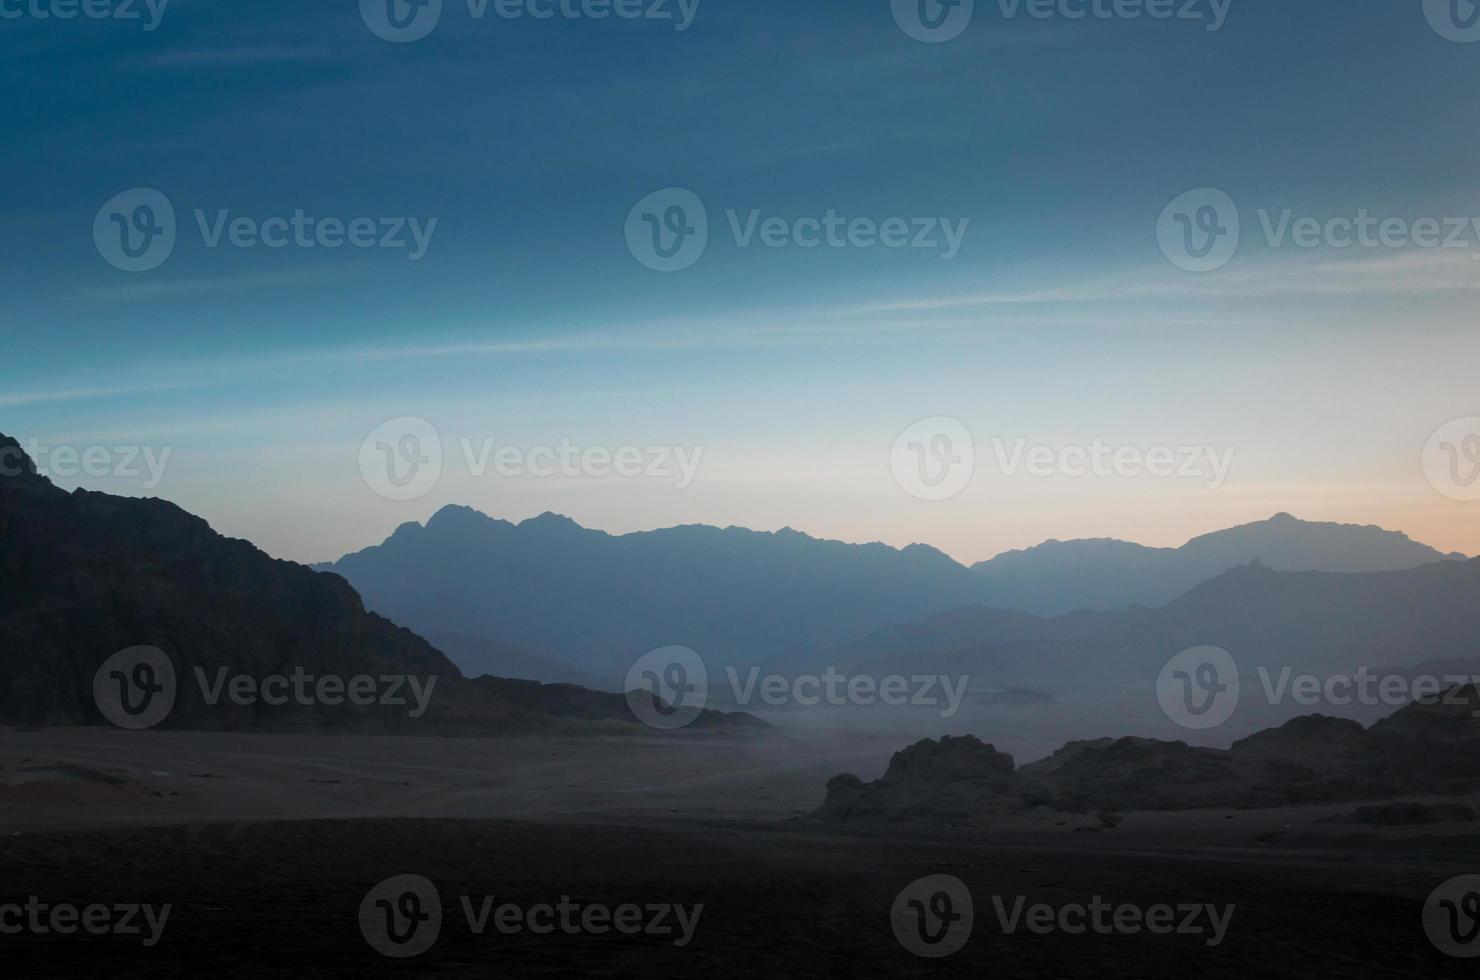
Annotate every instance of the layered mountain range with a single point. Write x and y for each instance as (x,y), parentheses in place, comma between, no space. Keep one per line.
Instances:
(1320,622)
(595,601)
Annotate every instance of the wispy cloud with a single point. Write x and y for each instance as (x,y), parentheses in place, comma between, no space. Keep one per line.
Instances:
(316,275)
(246,54)
(1325,274)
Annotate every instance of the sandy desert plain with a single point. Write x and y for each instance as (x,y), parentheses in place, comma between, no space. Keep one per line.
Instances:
(264,847)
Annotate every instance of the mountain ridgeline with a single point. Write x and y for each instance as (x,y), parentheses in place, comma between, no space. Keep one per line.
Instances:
(1322,622)
(597,601)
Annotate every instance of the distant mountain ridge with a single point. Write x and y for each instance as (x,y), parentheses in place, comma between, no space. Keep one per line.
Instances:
(1062,576)
(740,597)
(598,601)
(1317,622)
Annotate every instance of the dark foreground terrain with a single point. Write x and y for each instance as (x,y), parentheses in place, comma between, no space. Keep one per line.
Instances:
(780,899)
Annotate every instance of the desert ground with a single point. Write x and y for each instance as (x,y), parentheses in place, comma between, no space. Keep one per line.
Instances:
(264,846)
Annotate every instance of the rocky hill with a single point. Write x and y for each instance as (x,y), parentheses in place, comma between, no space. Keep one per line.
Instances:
(1428,747)
(85,575)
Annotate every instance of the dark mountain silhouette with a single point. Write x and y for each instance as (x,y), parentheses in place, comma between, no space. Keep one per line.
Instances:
(477,657)
(84,575)
(597,601)
(1428,747)
(1061,576)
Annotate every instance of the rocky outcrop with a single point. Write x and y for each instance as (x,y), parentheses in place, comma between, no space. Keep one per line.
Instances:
(1428,747)
(954,779)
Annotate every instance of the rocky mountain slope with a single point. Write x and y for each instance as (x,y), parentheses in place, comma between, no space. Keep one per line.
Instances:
(86,575)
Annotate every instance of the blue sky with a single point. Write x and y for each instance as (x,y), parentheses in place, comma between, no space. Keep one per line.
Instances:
(528,321)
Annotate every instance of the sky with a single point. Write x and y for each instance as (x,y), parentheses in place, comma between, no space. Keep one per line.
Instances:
(509,296)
